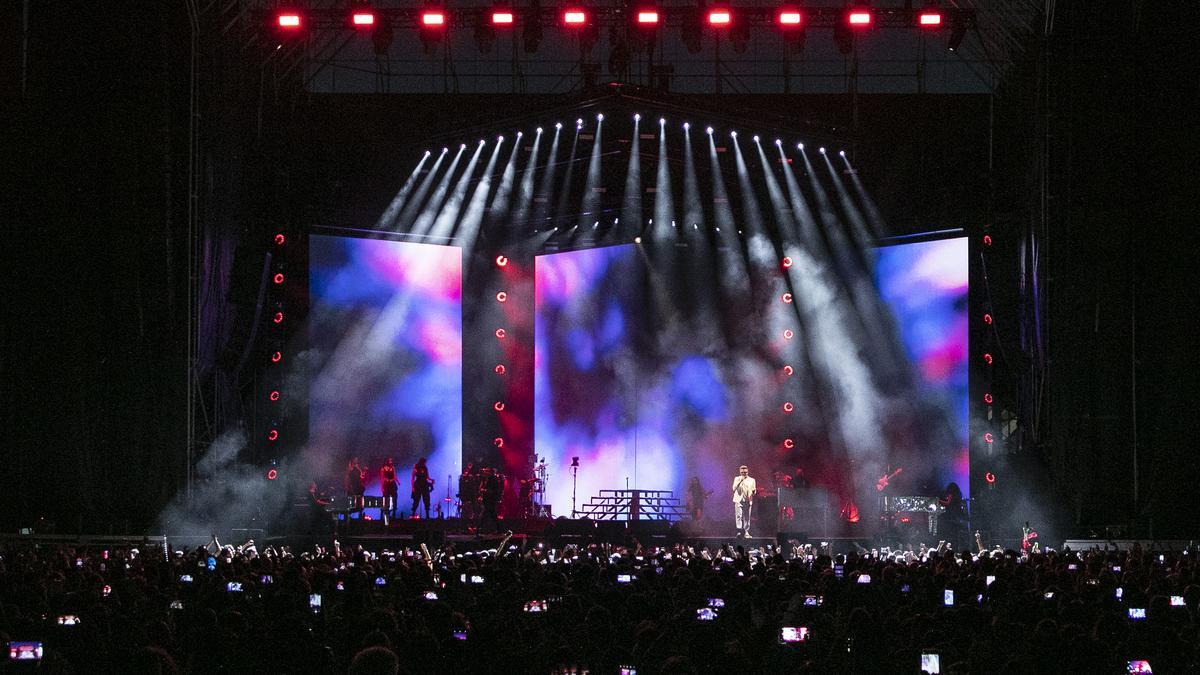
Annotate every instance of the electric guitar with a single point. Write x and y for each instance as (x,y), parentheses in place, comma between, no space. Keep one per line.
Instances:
(882,483)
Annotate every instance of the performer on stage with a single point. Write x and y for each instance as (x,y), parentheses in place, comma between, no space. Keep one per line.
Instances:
(696,496)
(355,483)
(491,489)
(744,489)
(387,479)
(422,485)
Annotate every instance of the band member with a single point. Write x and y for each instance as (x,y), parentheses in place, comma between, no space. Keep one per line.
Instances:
(1029,539)
(954,519)
(389,489)
(491,488)
(422,485)
(468,493)
(696,496)
(355,483)
(744,489)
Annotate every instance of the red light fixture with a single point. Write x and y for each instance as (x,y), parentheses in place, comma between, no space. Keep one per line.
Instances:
(789,443)
(289,20)
(719,17)
(988,438)
(787,297)
(859,18)
(278,318)
(501,261)
(790,18)
(647,17)
(276,357)
(274,395)
(433,18)
(987,398)
(278,278)
(500,333)
(929,18)
(503,17)
(362,18)
(498,442)
(990,478)
(498,406)
(787,262)
(788,407)
(574,17)
(500,369)
(272,474)
(789,371)
(273,435)
(280,240)
(987,358)
(502,297)
(788,334)
(987,240)
(987,318)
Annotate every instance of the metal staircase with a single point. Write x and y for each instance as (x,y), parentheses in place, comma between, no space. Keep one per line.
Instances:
(633,505)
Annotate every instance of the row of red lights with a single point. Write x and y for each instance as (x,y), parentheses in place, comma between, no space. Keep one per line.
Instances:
(649,17)
(501,296)
(275,395)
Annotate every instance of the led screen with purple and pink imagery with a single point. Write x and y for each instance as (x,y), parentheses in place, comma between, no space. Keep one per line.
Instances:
(385,357)
(649,393)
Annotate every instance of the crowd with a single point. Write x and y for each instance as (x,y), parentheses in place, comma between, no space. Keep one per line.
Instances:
(533,608)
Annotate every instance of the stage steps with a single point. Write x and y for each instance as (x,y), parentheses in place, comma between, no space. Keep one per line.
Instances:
(633,505)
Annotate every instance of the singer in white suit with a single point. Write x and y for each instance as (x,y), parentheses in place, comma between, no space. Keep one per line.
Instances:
(744,488)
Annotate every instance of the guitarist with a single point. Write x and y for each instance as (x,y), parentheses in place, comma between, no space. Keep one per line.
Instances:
(422,486)
(696,496)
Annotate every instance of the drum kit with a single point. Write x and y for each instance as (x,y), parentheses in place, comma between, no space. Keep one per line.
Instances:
(531,494)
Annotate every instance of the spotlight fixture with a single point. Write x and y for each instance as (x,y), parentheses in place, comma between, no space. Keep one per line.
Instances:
(859,17)
(733,134)
(719,17)
(501,261)
(821,150)
(647,18)
(841,153)
(503,17)
(431,18)
(599,117)
(558,125)
(574,17)
(709,130)
(756,138)
(539,130)
(799,146)
(637,117)
(662,121)
(789,18)
(499,139)
(637,240)
(929,18)
(778,142)
(520,134)
(686,126)
(362,16)
(289,19)
(579,123)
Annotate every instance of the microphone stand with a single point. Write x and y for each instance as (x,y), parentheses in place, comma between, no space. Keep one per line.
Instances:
(574,484)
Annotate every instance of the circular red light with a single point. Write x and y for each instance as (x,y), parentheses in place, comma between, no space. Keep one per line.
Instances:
(788,370)
(787,297)
(272,474)
(274,395)
(788,407)
(987,318)
(988,438)
(272,435)
(501,261)
(500,333)
(987,359)
(989,477)
(789,443)
(788,334)
(987,240)
(498,442)
(787,262)
(276,357)
(280,239)
(278,278)
(278,318)
(501,296)
(500,369)
(987,398)
(498,405)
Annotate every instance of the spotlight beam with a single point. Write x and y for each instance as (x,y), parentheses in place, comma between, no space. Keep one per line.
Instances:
(631,211)
(413,207)
(734,279)
(525,189)
(467,229)
(759,251)
(591,197)
(441,221)
(546,187)
(425,213)
(388,217)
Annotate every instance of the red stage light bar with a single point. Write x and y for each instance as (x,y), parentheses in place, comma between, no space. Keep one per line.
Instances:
(433,18)
(290,20)
(790,17)
(574,17)
(502,18)
(930,19)
(362,18)
(859,17)
(719,17)
(647,17)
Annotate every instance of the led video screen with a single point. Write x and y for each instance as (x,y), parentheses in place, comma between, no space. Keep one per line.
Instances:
(385,358)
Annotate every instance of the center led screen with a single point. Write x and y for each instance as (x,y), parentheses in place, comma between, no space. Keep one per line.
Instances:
(648,401)
(385,358)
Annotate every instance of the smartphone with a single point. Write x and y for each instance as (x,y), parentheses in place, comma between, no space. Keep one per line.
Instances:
(234,587)
(1137,613)
(1093,582)
(106,590)
(1071,567)
(431,595)
(185,578)
(904,588)
(931,662)
(1177,601)
(211,563)
(989,580)
(460,634)
(314,602)
(626,670)
(341,585)
(535,606)
(706,614)
(716,603)
(624,578)
(1116,568)
(266,579)
(813,600)
(864,578)
(1049,595)
(380,581)
(1139,666)
(176,604)
(1119,593)
(25,651)
(68,620)
(948,597)
(838,571)
(78,562)
(476,579)
(793,634)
